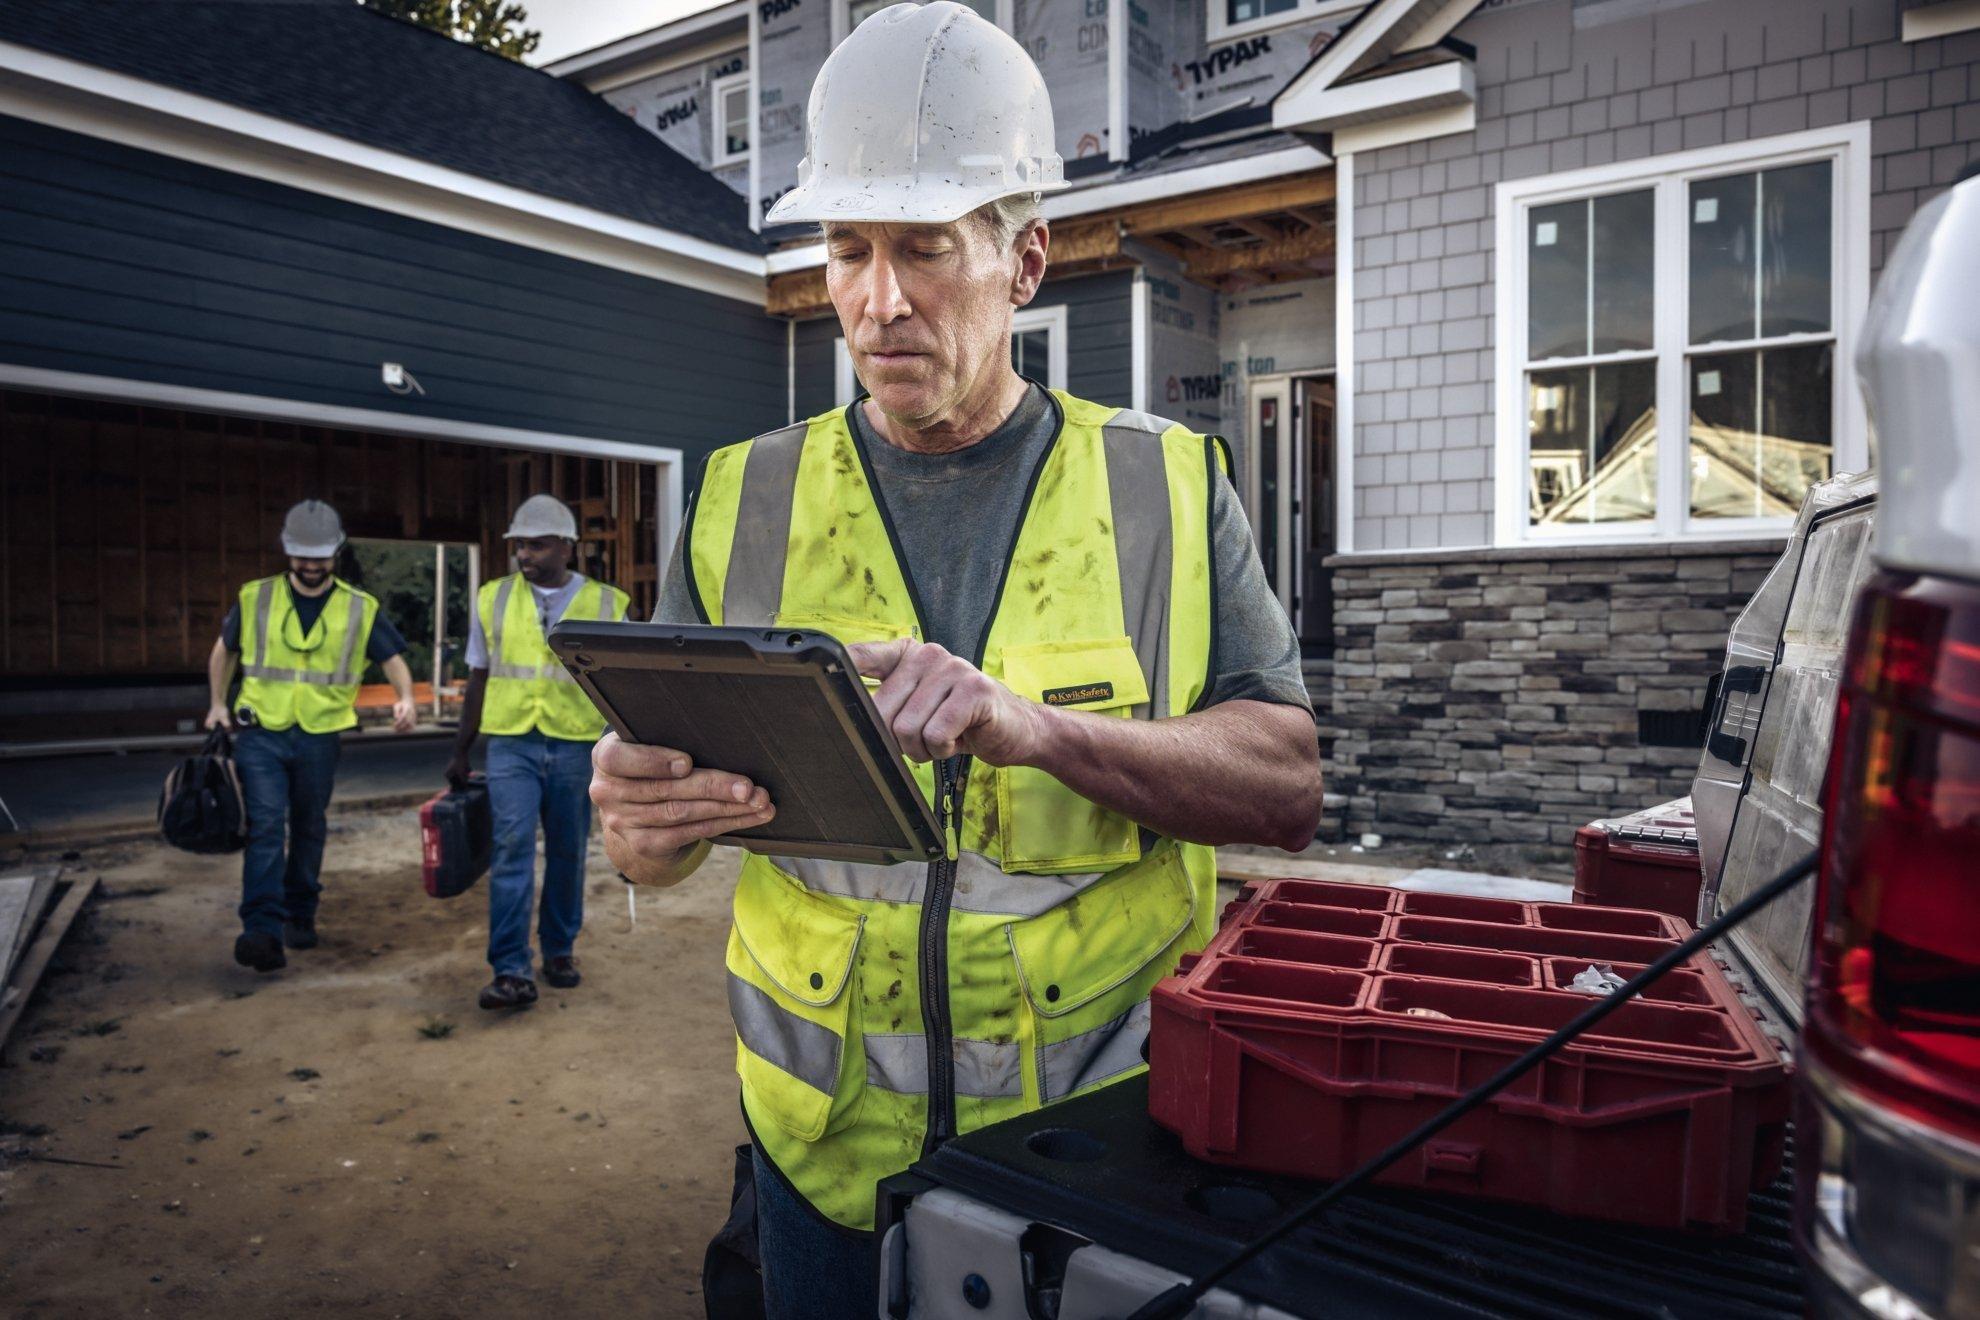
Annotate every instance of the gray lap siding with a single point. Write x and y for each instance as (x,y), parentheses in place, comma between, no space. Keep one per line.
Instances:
(122,263)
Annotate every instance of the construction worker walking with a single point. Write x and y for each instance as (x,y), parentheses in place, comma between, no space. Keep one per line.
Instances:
(301,640)
(1075,642)
(541,729)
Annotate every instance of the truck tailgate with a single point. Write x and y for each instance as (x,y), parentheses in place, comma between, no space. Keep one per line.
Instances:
(1382,1253)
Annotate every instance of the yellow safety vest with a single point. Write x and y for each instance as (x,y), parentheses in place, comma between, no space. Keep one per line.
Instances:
(881,1009)
(528,687)
(292,677)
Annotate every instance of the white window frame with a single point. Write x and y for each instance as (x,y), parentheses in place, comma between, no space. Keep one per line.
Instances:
(1848,147)
(718,120)
(842,18)
(1024,320)
(1217,25)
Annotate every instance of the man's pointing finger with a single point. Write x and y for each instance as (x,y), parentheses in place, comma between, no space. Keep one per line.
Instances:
(878,659)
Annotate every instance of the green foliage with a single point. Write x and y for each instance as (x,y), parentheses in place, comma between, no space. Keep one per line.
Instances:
(493,25)
(400,574)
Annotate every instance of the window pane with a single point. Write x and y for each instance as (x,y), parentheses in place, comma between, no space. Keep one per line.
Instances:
(1625,247)
(1557,280)
(1592,454)
(985,8)
(735,119)
(1243,11)
(1761,430)
(858,11)
(1029,353)
(1794,249)
(1722,258)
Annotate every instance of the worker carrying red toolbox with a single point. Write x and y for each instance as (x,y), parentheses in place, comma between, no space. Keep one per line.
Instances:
(1029,575)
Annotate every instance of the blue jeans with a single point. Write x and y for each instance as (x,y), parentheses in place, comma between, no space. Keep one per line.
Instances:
(286,776)
(812,1269)
(532,778)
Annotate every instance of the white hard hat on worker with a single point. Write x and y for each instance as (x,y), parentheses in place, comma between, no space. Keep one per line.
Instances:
(922,115)
(542,515)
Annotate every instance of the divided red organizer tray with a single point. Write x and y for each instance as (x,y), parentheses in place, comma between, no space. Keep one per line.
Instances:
(1324,1021)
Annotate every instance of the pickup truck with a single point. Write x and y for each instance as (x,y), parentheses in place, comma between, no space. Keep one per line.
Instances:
(1847,719)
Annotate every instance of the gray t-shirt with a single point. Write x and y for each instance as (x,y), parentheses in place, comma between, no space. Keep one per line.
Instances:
(956,515)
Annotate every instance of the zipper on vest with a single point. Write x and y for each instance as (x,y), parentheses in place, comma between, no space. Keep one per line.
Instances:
(950,776)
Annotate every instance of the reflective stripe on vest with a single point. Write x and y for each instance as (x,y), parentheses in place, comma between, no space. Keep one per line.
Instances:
(528,687)
(285,682)
(1058,924)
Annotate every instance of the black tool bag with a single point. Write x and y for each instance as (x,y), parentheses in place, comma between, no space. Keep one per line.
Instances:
(457,838)
(201,808)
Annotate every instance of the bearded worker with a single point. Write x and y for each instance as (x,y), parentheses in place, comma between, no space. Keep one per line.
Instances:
(1076,646)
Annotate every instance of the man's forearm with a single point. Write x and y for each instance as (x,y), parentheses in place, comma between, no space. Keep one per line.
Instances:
(1239,772)
(219,674)
(470,726)
(399,675)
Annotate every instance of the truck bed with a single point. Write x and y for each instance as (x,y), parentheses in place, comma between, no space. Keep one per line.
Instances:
(1380,1253)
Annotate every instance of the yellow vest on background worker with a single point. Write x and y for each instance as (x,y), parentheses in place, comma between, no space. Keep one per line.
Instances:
(1060,915)
(528,687)
(291,677)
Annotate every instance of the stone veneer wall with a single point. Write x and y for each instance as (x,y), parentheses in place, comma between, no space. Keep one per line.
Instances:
(1492,696)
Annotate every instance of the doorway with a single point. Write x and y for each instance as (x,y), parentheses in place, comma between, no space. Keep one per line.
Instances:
(1289,490)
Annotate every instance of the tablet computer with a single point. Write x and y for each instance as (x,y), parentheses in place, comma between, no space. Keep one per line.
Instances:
(783,706)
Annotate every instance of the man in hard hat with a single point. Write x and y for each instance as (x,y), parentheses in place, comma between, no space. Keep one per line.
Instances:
(301,640)
(541,729)
(1077,648)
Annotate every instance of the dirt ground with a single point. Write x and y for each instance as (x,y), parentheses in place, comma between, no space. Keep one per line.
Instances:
(352,1134)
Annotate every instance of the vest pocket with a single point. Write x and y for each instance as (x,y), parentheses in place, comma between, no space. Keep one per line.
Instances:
(790,959)
(1086,968)
(1045,825)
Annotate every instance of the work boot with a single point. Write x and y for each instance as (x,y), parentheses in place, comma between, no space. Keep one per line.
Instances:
(300,932)
(508,992)
(260,950)
(562,972)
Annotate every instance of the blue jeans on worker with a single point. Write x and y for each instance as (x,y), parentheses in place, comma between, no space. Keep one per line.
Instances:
(286,777)
(813,1269)
(532,778)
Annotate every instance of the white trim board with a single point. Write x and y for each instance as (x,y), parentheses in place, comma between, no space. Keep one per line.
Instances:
(654,68)
(1849,145)
(117,389)
(1945,19)
(1344,380)
(660,38)
(1077,202)
(87,99)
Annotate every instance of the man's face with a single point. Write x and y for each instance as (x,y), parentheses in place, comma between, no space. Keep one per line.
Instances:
(926,311)
(541,559)
(311,573)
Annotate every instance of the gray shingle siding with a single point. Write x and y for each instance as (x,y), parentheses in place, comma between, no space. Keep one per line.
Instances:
(117,262)
(1577,83)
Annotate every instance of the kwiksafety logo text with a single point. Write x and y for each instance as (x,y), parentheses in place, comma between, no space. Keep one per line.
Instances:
(1073,696)
(1194,389)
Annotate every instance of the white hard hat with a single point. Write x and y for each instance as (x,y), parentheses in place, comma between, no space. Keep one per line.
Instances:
(923,114)
(543,515)
(312,530)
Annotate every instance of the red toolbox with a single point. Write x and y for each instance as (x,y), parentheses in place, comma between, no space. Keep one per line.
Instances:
(1645,860)
(1324,1021)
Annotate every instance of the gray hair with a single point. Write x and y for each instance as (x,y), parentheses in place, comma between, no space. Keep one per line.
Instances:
(1008,217)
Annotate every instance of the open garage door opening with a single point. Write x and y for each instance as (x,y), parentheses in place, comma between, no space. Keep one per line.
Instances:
(127,529)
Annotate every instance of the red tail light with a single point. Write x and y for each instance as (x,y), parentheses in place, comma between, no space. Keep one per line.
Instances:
(1894,995)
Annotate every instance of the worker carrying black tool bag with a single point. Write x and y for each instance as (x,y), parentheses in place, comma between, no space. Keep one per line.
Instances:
(201,808)
(457,838)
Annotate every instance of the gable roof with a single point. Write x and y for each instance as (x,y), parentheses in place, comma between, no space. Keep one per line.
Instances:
(341,69)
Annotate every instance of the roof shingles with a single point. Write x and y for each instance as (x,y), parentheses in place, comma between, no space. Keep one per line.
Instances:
(333,66)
